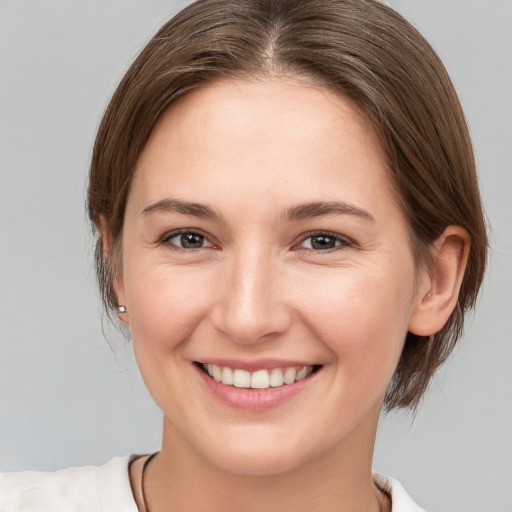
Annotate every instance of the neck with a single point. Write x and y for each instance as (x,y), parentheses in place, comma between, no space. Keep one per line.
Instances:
(339,480)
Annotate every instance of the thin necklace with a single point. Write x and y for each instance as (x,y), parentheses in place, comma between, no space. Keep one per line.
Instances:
(151,457)
(146,464)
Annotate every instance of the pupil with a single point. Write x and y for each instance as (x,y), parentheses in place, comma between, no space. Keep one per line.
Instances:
(322,242)
(191,240)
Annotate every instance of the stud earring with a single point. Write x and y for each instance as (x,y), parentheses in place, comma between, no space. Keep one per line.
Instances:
(121,309)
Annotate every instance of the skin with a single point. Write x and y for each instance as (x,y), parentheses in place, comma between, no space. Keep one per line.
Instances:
(258,287)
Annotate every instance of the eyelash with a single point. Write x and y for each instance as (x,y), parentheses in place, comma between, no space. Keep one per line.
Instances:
(342,241)
(165,240)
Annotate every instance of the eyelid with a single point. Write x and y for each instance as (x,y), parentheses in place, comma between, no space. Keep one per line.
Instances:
(165,239)
(344,240)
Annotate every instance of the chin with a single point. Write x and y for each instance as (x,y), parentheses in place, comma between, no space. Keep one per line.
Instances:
(254,455)
(255,463)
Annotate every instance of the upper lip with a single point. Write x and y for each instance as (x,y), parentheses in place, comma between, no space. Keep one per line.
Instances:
(255,364)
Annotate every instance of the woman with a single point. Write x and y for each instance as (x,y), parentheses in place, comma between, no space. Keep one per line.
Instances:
(290,226)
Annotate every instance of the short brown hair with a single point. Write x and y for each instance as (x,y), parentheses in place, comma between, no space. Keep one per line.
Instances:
(360,48)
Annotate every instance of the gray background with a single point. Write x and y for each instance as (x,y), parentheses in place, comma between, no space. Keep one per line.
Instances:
(67,399)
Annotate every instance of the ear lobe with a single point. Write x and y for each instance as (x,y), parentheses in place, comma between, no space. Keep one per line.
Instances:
(113,257)
(439,288)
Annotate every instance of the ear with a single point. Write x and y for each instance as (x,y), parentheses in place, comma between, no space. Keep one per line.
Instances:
(113,255)
(438,287)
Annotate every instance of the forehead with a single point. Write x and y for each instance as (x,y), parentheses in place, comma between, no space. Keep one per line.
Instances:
(262,136)
(260,108)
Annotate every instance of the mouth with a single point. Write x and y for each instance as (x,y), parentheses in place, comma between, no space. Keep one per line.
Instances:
(259,379)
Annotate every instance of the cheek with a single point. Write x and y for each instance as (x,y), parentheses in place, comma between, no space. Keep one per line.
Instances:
(165,304)
(165,309)
(363,319)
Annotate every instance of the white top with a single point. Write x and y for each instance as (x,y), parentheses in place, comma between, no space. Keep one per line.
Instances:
(107,489)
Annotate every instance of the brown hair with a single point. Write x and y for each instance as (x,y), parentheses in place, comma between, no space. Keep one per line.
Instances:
(360,48)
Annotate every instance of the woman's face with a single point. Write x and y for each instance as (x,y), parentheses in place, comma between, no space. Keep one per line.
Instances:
(262,238)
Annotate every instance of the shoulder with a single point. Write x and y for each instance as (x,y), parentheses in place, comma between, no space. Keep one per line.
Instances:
(89,488)
(401,501)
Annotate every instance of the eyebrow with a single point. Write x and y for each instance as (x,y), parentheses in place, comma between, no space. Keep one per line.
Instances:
(320,208)
(184,207)
(299,212)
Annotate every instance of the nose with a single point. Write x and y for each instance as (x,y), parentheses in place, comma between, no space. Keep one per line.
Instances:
(251,302)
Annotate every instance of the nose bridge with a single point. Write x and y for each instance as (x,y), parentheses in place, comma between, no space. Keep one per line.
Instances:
(250,307)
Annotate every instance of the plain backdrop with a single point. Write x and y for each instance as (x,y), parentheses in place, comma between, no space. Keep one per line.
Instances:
(67,398)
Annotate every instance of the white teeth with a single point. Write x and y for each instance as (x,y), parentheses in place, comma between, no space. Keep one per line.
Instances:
(260,379)
(217,373)
(276,378)
(241,379)
(227,376)
(289,375)
(302,373)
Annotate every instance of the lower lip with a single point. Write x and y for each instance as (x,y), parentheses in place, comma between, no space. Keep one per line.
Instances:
(254,399)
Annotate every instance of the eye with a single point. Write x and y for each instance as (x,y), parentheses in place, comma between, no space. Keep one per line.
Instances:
(186,239)
(323,241)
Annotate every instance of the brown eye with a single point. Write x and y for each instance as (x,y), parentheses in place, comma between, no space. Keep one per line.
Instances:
(324,241)
(187,240)
(191,240)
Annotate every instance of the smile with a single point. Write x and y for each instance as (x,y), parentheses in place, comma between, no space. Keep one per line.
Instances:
(260,379)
